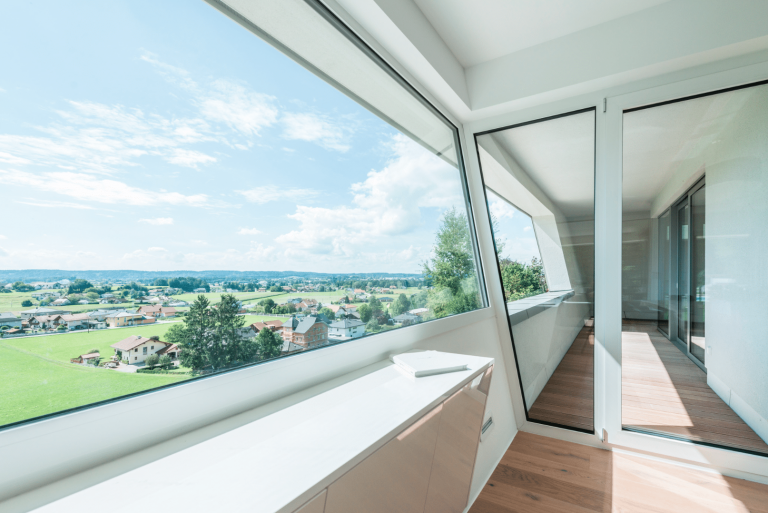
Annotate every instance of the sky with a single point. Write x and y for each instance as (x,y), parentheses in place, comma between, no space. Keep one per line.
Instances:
(514,229)
(162,136)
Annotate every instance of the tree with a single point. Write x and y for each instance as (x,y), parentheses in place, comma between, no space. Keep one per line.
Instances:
(78,286)
(92,296)
(26,303)
(151,360)
(372,326)
(375,305)
(520,280)
(365,313)
(165,362)
(328,313)
(270,344)
(94,351)
(275,288)
(400,305)
(161,282)
(192,337)
(268,305)
(229,345)
(452,270)
(20,286)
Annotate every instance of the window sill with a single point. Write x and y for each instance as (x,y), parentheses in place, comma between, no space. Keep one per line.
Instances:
(524,309)
(278,462)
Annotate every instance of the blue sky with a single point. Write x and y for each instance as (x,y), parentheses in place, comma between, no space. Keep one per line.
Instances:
(514,228)
(162,136)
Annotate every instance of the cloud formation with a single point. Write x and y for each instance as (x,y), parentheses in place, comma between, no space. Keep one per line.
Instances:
(158,221)
(85,187)
(248,231)
(267,193)
(314,128)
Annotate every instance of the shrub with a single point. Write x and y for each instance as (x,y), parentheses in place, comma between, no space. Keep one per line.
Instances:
(151,360)
(165,362)
(26,302)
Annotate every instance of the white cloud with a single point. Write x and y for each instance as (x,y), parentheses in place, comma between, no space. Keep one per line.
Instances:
(4,253)
(56,204)
(248,231)
(158,221)
(85,187)
(223,101)
(313,128)
(98,138)
(501,209)
(388,203)
(268,193)
(157,250)
(3,237)
(527,228)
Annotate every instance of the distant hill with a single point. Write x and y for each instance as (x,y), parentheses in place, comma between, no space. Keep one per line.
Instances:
(32,275)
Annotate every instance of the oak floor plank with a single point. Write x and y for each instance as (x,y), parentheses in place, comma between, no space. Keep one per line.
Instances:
(540,474)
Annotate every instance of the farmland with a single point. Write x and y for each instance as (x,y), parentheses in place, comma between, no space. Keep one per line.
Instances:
(38,378)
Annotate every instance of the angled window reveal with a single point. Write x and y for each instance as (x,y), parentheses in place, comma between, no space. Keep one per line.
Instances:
(207,189)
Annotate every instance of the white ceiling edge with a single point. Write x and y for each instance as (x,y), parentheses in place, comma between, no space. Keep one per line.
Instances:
(634,50)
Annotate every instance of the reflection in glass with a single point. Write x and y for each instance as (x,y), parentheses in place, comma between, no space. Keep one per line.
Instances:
(698,274)
(696,170)
(546,170)
(664,250)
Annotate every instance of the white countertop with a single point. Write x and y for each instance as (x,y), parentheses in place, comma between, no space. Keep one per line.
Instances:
(277,463)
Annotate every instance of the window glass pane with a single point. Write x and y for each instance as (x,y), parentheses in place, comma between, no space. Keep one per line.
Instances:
(694,348)
(546,169)
(191,200)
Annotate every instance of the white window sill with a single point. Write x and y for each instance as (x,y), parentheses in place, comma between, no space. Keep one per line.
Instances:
(524,309)
(277,463)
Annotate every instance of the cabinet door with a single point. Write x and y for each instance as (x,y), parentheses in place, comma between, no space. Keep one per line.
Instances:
(393,479)
(456,448)
(315,505)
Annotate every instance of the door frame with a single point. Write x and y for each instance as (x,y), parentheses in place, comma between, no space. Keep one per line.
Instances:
(608,240)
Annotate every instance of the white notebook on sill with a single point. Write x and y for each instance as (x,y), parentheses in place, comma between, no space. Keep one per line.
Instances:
(427,363)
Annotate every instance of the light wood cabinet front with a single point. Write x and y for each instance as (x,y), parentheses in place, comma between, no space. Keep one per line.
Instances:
(393,479)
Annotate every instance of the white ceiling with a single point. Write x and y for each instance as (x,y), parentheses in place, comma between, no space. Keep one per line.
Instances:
(482,30)
(559,155)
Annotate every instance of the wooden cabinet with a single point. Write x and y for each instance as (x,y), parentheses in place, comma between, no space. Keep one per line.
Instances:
(394,478)
(426,468)
(315,505)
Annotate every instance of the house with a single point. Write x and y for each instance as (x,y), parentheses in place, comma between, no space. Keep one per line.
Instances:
(273,325)
(107,295)
(45,322)
(308,332)
(346,329)
(120,319)
(200,290)
(418,311)
(62,301)
(10,319)
(406,317)
(385,299)
(171,350)
(26,314)
(76,321)
(136,348)
(262,289)
(83,302)
(157,311)
(101,315)
(86,359)
(178,304)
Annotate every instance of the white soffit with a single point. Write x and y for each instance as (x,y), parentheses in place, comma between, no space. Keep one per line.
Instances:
(483,30)
(559,156)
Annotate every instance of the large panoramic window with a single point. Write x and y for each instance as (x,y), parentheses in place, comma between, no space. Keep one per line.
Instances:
(182,197)
(695,230)
(539,181)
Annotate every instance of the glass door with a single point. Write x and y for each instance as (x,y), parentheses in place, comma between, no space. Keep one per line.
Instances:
(664,260)
(683,272)
(698,278)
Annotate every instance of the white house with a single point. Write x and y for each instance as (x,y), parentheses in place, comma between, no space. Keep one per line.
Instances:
(61,302)
(346,329)
(136,348)
(75,321)
(35,312)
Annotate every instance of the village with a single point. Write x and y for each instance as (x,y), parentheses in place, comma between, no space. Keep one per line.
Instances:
(301,322)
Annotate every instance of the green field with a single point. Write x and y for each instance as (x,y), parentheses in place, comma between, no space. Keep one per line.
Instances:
(38,378)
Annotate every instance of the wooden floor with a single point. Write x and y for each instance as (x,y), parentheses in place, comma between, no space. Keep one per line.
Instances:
(544,475)
(568,397)
(663,391)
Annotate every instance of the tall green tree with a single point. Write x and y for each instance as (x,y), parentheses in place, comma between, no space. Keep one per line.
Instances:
(365,313)
(269,344)
(452,269)
(521,280)
(400,305)
(375,305)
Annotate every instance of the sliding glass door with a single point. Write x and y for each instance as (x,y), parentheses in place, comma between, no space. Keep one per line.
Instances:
(698,276)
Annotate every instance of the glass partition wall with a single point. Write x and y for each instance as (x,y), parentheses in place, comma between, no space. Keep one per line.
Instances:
(539,180)
(695,233)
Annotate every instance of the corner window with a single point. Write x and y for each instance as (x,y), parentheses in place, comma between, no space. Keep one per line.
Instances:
(244,184)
